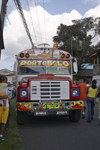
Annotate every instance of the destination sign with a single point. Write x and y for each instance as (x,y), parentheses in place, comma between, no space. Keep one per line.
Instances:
(44,63)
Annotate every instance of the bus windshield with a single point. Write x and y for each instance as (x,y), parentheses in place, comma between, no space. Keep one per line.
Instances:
(43,70)
(31,70)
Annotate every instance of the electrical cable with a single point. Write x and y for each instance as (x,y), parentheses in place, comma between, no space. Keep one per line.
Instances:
(44,38)
(19,8)
(38,19)
(8,19)
(44,20)
(31,21)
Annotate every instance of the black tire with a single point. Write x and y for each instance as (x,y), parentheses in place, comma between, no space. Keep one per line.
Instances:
(20,117)
(75,115)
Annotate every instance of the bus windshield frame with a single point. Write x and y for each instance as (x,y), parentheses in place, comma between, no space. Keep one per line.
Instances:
(61,67)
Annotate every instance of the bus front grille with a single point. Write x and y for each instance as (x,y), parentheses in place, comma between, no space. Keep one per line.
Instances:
(49,90)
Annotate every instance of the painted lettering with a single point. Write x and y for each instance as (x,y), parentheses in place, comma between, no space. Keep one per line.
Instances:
(39,63)
(51,105)
(65,63)
(22,63)
(49,63)
(59,64)
(44,63)
(29,63)
(33,63)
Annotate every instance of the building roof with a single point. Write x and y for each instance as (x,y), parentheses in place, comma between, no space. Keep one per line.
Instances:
(6,72)
(85,73)
(95,53)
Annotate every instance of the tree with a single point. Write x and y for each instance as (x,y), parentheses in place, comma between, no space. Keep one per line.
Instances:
(97,46)
(76,38)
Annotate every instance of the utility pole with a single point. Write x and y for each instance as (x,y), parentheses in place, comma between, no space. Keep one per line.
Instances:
(2,15)
(71,46)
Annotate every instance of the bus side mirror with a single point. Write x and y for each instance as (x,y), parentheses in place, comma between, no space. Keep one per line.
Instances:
(15,67)
(75,65)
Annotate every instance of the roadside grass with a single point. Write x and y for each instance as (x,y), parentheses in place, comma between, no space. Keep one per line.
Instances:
(12,137)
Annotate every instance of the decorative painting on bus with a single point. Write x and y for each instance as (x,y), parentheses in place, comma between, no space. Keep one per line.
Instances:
(44,63)
(43,53)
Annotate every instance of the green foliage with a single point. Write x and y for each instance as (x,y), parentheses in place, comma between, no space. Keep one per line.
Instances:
(12,137)
(77,38)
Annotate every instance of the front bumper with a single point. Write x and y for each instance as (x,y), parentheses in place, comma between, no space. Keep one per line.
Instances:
(49,106)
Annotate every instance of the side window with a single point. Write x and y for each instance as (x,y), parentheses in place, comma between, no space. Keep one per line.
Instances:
(22,70)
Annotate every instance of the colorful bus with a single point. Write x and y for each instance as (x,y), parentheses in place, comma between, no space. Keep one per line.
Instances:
(45,86)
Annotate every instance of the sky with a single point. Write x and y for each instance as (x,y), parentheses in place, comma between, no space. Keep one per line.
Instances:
(43,18)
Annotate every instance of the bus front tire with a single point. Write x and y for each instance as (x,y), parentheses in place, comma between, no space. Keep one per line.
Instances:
(75,115)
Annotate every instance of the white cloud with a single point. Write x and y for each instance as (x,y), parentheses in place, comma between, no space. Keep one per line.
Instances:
(15,36)
(6,62)
(8,58)
(95,12)
(96,40)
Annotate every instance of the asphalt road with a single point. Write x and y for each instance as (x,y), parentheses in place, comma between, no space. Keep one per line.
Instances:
(58,133)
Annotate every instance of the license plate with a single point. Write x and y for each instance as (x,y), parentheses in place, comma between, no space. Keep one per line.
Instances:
(52,105)
(40,113)
(62,112)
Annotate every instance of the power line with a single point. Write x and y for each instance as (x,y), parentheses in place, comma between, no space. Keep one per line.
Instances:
(44,19)
(8,19)
(44,38)
(19,8)
(31,21)
(38,20)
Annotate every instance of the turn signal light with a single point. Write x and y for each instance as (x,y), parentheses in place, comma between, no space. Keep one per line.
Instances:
(27,55)
(21,55)
(68,55)
(55,45)
(63,55)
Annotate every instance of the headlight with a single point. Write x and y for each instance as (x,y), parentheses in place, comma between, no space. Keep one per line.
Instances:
(24,93)
(75,92)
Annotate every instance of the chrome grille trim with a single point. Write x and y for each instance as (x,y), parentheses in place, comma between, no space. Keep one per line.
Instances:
(49,90)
